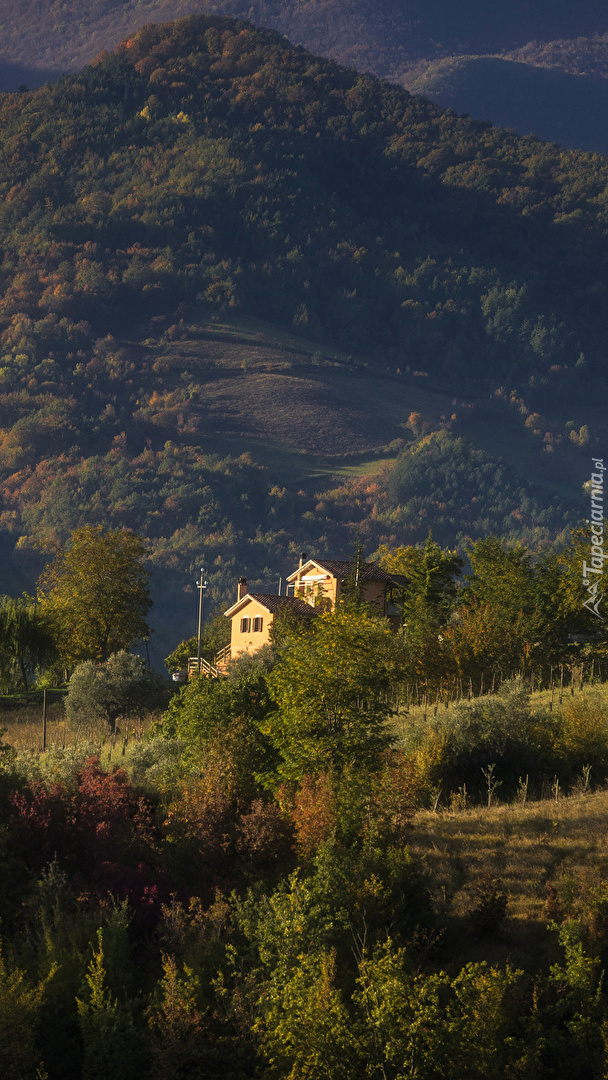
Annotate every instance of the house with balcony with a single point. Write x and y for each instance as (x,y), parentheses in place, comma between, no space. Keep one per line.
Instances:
(317,585)
(322,582)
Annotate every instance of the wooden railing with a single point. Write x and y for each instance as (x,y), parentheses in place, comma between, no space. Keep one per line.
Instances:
(222,656)
(206,668)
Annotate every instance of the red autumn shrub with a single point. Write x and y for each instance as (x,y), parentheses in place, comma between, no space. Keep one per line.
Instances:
(108,814)
(314,813)
(102,820)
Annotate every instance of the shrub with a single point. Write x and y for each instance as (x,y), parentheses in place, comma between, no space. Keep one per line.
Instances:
(100,831)
(314,813)
(491,907)
(157,764)
(21,1004)
(501,730)
(264,836)
(582,738)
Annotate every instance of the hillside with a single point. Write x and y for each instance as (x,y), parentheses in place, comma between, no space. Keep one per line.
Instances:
(556,105)
(383,36)
(531,849)
(410,42)
(242,286)
(579,56)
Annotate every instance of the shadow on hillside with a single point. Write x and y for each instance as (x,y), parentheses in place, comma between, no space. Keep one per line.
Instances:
(21,77)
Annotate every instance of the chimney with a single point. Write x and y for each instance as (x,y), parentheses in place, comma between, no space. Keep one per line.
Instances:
(242,588)
(302,559)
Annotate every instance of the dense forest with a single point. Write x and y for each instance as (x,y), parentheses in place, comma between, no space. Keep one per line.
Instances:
(579,55)
(206,174)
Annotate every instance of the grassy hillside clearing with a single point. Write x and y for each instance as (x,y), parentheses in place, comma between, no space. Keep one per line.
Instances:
(562,844)
(274,393)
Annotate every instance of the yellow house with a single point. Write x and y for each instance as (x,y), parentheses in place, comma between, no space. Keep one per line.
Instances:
(322,581)
(316,584)
(251,619)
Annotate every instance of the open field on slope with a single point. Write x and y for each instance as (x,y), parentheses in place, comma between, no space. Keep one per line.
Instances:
(313,411)
(261,384)
(562,844)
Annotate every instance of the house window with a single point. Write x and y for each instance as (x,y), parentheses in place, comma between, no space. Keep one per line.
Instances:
(258,623)
(245,626)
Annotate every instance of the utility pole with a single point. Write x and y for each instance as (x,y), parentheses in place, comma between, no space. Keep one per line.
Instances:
(201,586)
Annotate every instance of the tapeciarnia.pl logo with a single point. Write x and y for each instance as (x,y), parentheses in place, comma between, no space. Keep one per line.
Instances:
(593,571)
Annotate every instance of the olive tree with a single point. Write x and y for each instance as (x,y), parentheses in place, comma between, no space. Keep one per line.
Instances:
(120,688)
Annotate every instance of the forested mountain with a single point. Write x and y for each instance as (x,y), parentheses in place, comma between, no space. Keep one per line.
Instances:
(383,36)
(229,265)
(406,40)
(579,55)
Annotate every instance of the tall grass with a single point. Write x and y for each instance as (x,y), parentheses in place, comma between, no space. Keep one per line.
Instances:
(21,721)
(548,855)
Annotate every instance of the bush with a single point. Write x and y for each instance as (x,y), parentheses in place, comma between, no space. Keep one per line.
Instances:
(491,908)
(96,828)
(582,738)
(501,730)
(157,764)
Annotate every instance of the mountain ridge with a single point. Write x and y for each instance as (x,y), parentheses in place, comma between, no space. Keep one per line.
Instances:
(570,109)
(378,35)
(209,212)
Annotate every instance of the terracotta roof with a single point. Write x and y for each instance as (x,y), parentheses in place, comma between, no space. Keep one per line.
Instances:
(274,603)
(344,568)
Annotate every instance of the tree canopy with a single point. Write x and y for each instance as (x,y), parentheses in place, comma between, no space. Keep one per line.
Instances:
(121,687)
(330,685)
(26,641)
(95,593)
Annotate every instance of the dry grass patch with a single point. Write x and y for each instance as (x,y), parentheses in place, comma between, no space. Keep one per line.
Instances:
(21,722)
(563,844)
(22,729)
